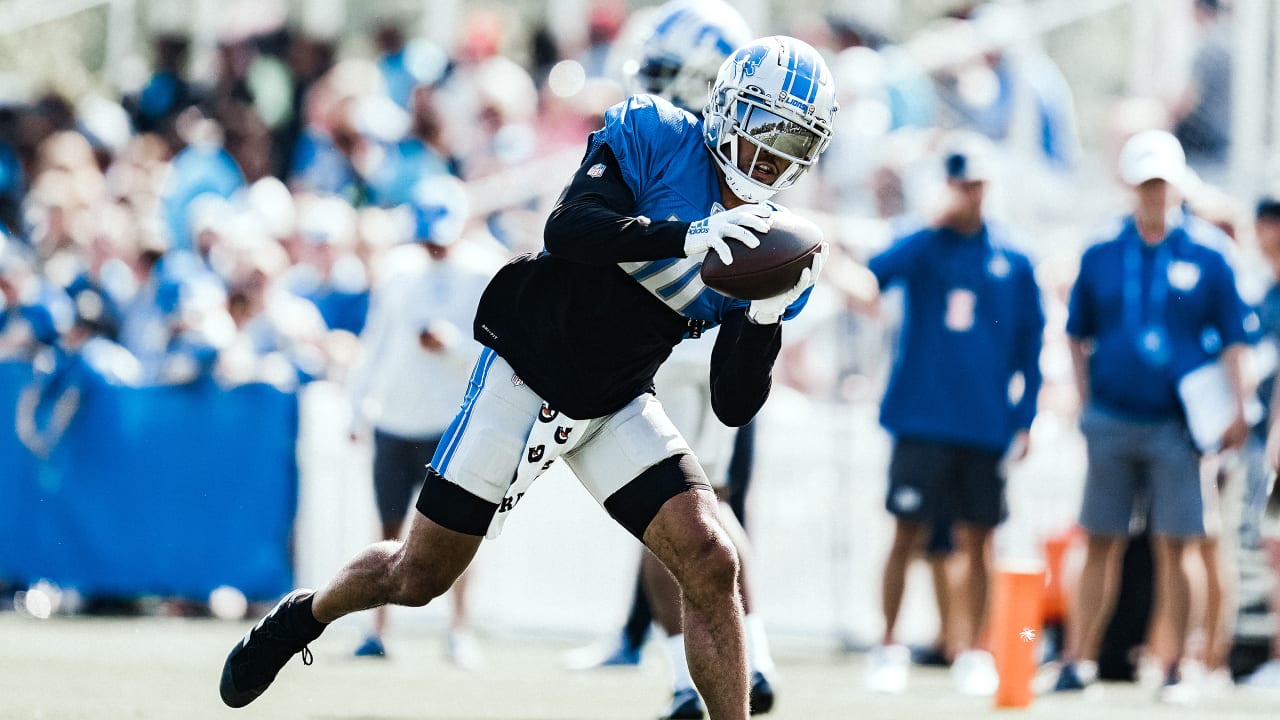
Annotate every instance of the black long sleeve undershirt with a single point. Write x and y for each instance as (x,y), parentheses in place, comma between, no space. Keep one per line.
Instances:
(591,223)
(742,367)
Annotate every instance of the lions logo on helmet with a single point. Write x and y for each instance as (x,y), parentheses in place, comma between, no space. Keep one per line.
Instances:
(776,93)
(682,52)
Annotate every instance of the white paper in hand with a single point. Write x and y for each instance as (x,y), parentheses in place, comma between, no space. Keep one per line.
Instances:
(1210,405)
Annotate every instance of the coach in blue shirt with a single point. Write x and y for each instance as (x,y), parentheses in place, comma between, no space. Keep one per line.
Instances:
(964,384)
(1150,304)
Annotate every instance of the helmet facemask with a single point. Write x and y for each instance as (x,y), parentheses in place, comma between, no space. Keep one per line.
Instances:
(751,101)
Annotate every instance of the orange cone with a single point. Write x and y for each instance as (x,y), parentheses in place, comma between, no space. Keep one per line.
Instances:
(1016,624)
(1055,593)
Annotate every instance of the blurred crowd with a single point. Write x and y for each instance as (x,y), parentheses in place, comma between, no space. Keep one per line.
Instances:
(234,230)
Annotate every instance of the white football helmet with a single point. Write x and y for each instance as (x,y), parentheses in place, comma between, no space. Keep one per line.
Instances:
(683,49)
(778,95)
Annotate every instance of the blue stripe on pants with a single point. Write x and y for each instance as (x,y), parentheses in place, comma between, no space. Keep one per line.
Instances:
(449,443)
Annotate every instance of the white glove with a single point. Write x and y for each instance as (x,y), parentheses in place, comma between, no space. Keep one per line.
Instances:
(710,233)
(770,310)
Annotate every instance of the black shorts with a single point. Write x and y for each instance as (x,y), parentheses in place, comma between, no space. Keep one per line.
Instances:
(399,465)
(929,480)
(940,540)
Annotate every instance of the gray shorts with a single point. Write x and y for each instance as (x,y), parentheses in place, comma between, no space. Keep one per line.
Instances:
(1143,472)
(486,442)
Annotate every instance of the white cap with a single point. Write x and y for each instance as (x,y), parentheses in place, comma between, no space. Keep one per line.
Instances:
(1152,155)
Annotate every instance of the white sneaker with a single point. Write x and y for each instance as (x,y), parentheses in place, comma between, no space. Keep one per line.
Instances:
(887,668)
(463,650)
(1265,677)
(1150,672)
(1217,683)
(974,673)
(1182,693)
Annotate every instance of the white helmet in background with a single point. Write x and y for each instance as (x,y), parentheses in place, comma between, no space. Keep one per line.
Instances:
(776,93)
(683,50)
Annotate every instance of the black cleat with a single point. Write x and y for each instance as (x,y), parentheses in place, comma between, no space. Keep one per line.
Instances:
(256,660)
(761,694)
(685,705)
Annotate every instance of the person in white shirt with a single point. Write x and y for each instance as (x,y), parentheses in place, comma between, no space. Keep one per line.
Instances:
(416,356)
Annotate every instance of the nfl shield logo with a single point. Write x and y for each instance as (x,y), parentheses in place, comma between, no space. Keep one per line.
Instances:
(596,170)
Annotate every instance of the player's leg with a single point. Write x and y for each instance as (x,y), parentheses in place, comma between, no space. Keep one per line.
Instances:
(687,536)
(686,400)
(759,658)
(663,592)
(665,600)
(622,649)
(636,629)
(458,500)
(409,573)
(741,465)
(639,468)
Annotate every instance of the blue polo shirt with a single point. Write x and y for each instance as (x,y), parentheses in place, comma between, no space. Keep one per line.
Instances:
(1182,288)
(972,322)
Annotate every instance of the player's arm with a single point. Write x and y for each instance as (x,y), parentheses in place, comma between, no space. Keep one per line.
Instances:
(742,367)
(593,222)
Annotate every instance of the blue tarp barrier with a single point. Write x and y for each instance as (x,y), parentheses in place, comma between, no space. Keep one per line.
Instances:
(153,491)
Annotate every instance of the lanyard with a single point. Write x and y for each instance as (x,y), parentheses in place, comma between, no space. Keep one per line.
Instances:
(1157,293)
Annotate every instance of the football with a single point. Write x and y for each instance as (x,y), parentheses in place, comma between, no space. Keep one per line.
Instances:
(770,269)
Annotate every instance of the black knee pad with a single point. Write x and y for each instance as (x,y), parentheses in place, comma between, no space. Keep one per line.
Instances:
(450,506)
(637,503)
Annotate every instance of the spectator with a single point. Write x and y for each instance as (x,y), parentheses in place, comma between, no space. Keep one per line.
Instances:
(1265,511)
(1202,114)
(278,337)
(961,398)
(34,311)
(166,93)
(84,356)
(331,276)
(1152,302)
(1013,95)
(415,359)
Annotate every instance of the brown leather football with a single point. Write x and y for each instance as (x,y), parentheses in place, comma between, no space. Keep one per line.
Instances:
(770,269)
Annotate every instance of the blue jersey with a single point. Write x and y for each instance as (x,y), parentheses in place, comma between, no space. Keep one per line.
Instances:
(1153,314)
(664,161)
(587,322)
(972,321)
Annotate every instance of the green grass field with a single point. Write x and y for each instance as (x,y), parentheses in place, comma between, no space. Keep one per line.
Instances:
(168,668)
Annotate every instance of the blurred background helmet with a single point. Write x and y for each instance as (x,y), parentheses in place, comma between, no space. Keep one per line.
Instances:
(777,93)
(683,49)
(440,208)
